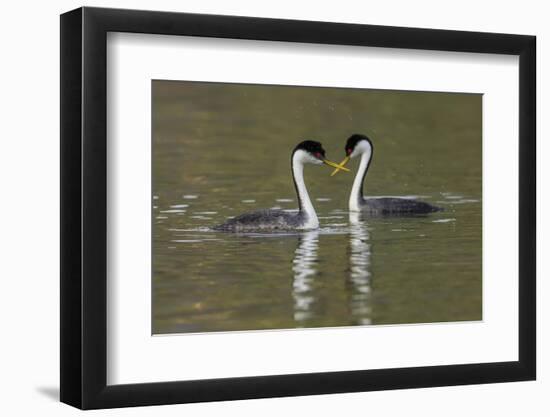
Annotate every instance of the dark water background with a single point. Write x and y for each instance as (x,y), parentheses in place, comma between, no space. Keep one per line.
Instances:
(223,149)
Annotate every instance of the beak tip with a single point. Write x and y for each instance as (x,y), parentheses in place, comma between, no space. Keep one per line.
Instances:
(341,166)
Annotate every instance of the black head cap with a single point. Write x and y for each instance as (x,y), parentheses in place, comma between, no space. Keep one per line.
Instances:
(352,142)
(314,148)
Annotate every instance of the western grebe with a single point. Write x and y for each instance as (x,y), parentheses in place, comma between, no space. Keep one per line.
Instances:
(307,152)
(361,145)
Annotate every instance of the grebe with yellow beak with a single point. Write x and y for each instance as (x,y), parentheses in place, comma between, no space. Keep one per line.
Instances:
(360,145)
(306,152)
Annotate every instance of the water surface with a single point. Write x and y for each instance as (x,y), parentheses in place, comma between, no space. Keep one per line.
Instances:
(223,149)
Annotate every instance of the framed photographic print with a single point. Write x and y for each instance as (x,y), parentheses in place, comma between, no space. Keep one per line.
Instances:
(258,207)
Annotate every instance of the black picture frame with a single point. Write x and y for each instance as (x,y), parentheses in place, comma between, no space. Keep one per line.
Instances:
(84,207)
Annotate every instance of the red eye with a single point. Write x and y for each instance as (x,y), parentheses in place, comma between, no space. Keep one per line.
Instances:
(348,151)
(318,155)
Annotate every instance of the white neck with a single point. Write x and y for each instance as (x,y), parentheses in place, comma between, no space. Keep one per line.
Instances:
(356,196)
(306,207)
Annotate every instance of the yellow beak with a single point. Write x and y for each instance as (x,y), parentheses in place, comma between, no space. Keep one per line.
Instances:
(334,165)
(341,166)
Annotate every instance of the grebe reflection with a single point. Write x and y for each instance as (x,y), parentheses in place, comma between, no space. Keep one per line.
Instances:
(359,265)
(304,268)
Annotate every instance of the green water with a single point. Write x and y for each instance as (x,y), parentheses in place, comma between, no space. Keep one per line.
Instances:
(222,149)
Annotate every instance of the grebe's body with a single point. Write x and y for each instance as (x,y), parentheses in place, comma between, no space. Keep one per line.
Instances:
(360,145)
(394,206)
(268,221)
(307,152)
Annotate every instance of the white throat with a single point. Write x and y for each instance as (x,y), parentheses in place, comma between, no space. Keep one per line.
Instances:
(356,196)
(298,160)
